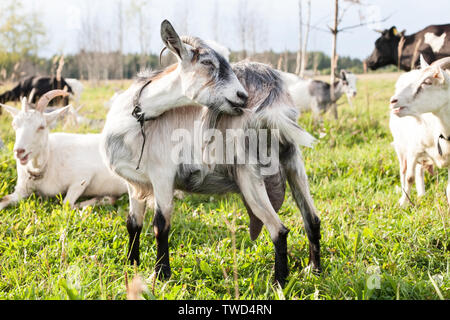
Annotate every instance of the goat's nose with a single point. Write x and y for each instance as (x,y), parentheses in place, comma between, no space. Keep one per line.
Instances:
(19,151)
(243,96)
(394,100)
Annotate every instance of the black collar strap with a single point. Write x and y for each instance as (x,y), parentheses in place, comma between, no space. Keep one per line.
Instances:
(441,136)
(140,117)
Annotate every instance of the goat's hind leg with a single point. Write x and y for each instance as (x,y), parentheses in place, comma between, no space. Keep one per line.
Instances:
(298,181)
(256,198)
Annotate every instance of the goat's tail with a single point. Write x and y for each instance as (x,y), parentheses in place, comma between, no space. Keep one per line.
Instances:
(286,125)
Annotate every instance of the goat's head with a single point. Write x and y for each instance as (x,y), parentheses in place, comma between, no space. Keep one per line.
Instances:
(349,83)
(424,90)
(206,77)
(32,125)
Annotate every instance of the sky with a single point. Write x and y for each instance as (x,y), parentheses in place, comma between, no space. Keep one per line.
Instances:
(275,21)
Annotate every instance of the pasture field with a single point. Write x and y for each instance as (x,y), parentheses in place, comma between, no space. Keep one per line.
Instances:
(371,248)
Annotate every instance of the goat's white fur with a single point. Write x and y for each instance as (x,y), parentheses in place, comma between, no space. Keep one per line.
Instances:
(69,163)
(415,131)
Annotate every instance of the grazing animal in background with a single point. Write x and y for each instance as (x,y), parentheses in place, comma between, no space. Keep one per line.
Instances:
(41,85)
(420,124)
(315,95)
(54,163)
(109,103)
(432,42)
(77,89)
(203,88)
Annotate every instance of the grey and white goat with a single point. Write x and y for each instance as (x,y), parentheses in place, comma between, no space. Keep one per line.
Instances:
(315,95)
(420,124)
(53,163)
(203,88)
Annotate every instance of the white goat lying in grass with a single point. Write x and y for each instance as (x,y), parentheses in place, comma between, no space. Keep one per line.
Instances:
(53,163)
(420,124)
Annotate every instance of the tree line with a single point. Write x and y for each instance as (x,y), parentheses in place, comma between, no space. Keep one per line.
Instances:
(101,55)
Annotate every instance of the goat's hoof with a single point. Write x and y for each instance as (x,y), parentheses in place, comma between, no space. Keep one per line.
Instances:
(403,203)
(163,272)
(281,282)
(315,269)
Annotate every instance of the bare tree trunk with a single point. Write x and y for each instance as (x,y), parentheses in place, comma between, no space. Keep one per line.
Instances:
(305,40)
(120,39)
(242,21)
(334,32)
(286,58)
(300,32)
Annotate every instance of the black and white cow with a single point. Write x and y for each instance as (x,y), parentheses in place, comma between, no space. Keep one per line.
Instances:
(433,43)
(41,85)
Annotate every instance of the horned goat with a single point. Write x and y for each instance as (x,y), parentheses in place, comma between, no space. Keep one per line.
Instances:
(203,90)
(53,163)
(420,124)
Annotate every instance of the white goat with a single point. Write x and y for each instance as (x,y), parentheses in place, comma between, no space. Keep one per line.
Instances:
(77,89)
(53,163)
(315,95)
(203,88)
(420,124)
(110,102)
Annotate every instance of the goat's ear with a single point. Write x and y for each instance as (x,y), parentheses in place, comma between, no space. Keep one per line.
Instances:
(171,39)
(443,74)
(423,62)
(343,75)
(54,115)
(13,111)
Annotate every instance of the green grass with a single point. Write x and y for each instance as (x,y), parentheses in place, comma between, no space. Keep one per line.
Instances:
(48,251)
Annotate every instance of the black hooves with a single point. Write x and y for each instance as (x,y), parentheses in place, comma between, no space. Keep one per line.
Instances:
(163,272)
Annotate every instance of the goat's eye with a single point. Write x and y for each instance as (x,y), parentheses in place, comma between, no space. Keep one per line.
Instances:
(207,63)
(427,82)
(41,128)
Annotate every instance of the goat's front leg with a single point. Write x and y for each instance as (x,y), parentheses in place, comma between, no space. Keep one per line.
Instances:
(254,192)
(409,177)
(16,196)
(161,226)
(74,192)
(135,221)
(420,181)
(298,182)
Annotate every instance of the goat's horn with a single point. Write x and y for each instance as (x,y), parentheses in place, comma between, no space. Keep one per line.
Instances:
(31,96)
(46,98)
(160,54)
(443,63)
(192,41)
